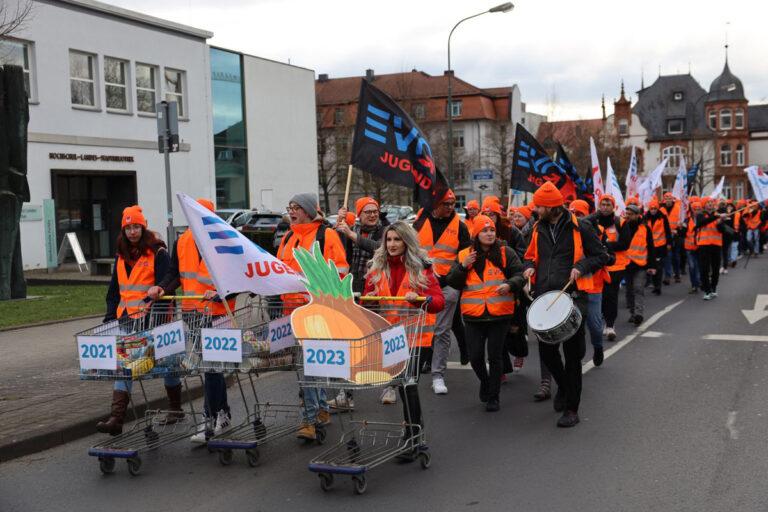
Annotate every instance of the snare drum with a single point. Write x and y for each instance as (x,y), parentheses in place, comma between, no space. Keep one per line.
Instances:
(553,323)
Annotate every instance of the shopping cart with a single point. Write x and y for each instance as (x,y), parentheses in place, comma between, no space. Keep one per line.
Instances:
(148,344)
(387,357)
(263,330)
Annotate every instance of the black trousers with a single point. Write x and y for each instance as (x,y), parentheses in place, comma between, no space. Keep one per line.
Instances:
(458,330)
(658,264)
(568,374)
(409,395)
(516,343)
(611,298)
(495,333)
(709,261)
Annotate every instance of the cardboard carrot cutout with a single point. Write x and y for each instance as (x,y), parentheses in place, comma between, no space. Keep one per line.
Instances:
(332,314)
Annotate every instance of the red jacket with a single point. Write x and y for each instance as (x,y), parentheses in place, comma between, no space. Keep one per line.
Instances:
(397,273)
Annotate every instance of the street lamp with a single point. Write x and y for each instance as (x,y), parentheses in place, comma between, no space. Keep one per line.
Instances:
(505,7)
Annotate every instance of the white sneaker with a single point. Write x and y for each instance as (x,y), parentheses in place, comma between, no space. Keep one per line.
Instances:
(389,396)
(707,296)
(725,271)
(722,270)
(200,437)
(438,386)
(610,334)
(222,423)
(713,295)
(341,402)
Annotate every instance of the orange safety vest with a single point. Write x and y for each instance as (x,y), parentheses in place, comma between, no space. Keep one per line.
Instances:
(690,236)
(390,309)
(134,288)
(443,252)
(470,226)
(709,235)
(480,294)
(612,235)
(195,279)
(583,283)
(673,216)
(638,247)
(599,279)
(659,235)
(737,221)
(752,220)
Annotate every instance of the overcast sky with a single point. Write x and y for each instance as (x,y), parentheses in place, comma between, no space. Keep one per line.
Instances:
(562,54)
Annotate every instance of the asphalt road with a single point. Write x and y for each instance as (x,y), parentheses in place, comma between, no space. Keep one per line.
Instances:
(672,421)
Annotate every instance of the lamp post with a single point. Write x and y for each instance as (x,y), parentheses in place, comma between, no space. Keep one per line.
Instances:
(505,7)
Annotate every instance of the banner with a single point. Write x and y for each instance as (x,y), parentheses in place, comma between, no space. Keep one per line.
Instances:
(692,173)
(631,182)
(681,181)
(645,192)
(235,263)
(759,181)
(597,179)
(718,189)
(612,188)
(388,144)
(531,167)
(654,179)
(582,190)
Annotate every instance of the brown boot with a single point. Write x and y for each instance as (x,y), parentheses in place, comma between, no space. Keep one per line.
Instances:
(114,424)
(175,412)
(307,431)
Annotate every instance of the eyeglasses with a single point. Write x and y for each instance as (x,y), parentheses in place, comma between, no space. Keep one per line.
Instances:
(370,212)
(447,204)
(290,208)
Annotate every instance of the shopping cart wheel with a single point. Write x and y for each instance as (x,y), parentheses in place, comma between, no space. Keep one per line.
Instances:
(326,481)
(134,466)
(320,434)
(425,458)
(225,457)
(361,484)
(107,465)
(253,457)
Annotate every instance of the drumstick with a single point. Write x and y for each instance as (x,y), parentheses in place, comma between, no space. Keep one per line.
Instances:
(528,291)
(559,294)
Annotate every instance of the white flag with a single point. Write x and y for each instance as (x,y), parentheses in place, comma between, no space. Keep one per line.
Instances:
(759,181)
(631,182)
(597,179)
(681,181)
(655,177)
(235,263)
(718,189)
(645,192)
(612,187)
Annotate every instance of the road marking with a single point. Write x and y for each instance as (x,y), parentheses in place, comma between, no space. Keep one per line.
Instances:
(735,337)
(652,334)
(628,338)
(730,424)
(455,365)
(760,310)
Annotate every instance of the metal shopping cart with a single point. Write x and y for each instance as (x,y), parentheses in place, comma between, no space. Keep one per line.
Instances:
(149,344)
(387,357)
(262,331)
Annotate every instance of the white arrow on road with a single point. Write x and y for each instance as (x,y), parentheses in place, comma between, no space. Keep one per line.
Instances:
(760,311)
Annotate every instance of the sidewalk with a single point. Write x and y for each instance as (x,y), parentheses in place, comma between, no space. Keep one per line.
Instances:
(63,276)
(43,403)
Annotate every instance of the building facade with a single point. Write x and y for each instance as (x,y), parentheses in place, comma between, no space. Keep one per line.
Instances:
(483,132)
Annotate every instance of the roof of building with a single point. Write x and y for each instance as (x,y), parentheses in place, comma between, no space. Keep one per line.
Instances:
(126,14)
(656,106)
(758,118)
(564,131)
(727,86)
(411,85)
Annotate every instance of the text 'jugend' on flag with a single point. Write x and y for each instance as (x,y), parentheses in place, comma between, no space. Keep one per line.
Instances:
(532,167)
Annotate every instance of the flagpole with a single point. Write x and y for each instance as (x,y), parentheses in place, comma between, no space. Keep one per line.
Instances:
(509,202)
(349,183)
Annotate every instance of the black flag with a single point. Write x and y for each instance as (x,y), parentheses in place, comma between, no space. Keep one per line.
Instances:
(532,167)
(583,189)
(388,144)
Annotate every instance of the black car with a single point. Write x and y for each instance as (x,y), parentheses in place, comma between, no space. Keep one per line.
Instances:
(265,229)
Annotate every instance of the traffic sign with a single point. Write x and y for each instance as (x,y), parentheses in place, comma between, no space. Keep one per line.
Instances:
(482,175)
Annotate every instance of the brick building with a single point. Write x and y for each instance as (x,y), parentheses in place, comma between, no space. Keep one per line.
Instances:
(483,131)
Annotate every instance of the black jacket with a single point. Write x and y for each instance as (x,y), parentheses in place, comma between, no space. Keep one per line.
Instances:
(626,234)
(555,248)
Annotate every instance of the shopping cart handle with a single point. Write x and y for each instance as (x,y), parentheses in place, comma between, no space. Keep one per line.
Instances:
(177,297)
(390,297)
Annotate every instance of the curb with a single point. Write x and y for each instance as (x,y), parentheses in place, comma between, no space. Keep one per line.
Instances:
(45,441)
(48,322)
(34,281)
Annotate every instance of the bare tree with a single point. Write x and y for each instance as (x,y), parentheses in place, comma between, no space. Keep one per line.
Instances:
(13,16)
(497,153)
(329,163)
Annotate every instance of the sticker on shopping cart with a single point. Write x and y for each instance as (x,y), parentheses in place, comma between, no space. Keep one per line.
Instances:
(97,352)
(326,358)
(169,339)
(394,346)
(222,345)
(280,334)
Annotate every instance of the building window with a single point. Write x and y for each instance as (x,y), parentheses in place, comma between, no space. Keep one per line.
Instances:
(727,190)
(740,154)
(338,116)
(82,81)
(175,89)
(146,88)
(677,96)
(455,108)
(675,126)
(460,171)
(725,155)
(739,119)
(713,120)
(739,190)
(673,154)
(458,138)
(19,53)
(623,127)
(419,111)
(116,84)
(725,119)
(461,201)
(341,144)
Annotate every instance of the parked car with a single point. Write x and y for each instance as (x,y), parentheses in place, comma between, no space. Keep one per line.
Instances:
(395,212)
(265,229)
(233,216)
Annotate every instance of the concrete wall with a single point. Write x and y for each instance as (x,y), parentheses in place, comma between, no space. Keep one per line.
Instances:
(282,132)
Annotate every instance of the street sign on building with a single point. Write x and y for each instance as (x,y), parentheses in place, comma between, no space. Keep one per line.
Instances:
(482,175)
